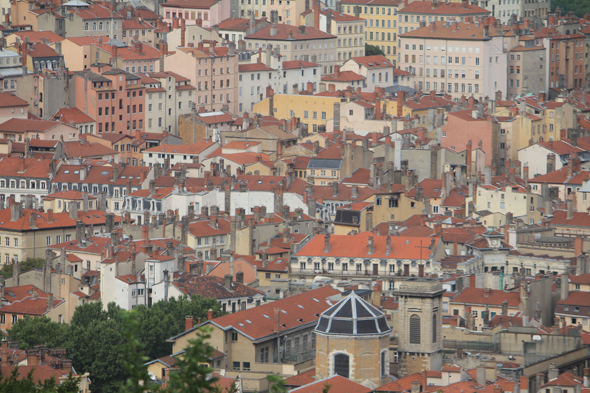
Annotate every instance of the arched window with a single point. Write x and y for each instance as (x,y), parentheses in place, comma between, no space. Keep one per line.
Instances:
(384,364)
(115,25)
(23,184)
(93,25)
(43,185)
(414,329)
(341,365)
(434,325)
(373,78)
(3,183)
(386,76)
(33,185)
(108,25)
(100,26)
(379,77)
(86,27)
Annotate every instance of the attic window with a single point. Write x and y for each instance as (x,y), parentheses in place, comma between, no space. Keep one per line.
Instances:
(247,320)
(76,172)
(104,173)
(259,181)
(123,177)
(241,324)
(265,316)
(130,177)
(284,325)
(284,312)
(300,306)
(300,320)
(315,300)
(99,163)
(66,172)
(370,64)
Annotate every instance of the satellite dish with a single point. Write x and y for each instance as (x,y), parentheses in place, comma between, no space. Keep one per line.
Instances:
(152,376)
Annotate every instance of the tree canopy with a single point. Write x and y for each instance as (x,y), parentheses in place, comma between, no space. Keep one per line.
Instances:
(96,338)
(373,50)
(578,7)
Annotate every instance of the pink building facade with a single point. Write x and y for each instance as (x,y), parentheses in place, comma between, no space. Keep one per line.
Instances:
(212,70)
(206,13)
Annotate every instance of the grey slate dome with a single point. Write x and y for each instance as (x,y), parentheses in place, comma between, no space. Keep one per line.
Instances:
(352,316)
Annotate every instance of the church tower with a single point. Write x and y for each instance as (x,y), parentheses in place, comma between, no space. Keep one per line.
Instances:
(352,340)
(419,325)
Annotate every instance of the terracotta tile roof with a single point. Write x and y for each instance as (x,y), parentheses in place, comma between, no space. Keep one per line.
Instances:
(33,167)
(39,36)
(465,31)
(581,219)
(204,228)
(28,306)
(195,148)
(402,384)
(289,32)
(450,9)
(576,298)
(254,67)
(454,199)
(73,258)
(69,194)
(258,322)
(40,373)
(471,295)
(560,176)
(237,24)
(561,147)
(80,149)
(243,145)
(360,176)
(161,193)
(583,279)
(431,188)
(337,384)
(26,125)
(566,379)
(327,192)
(301,379)
(214,118)
(427,102)
(97,11)
(197,4)
(344,76)
(42,50)
(374,2)
(8,100)
(355,246)
(131,53)
(505,320)
(212,287)
(72,116)
(294,64)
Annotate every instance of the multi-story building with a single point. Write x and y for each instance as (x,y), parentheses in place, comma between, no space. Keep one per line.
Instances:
(168,95)
(459,58)
(113,97)
(411,15)
(381,27)
(25,176)
(504,10)
(377,70)
(526,69)
(297,43)
(212,70)
(350,30)
(566,58)
(204,13)
(235,29)
(135,57)
(93,20)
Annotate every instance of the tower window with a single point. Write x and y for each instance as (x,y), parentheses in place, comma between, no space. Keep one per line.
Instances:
(414,329)
(434,324)
(383,365)
(341,363)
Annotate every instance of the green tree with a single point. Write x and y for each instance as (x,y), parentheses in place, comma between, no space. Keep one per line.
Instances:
(326,388)
(193,375)
(138,379)
(30,332)
(276,384)
(373,50)
(578,7)
(26,265)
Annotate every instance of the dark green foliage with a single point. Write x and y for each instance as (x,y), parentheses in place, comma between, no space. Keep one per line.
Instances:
(26,265)
(97,341)
(12,384)
(578,7)
(373,50)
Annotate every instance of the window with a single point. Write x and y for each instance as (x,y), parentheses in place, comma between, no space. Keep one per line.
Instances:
(384,364)
(234,336)
(434,325)
(236,366)
(246,366)
(49,240)
(414,329)
(341,364)
(264,355)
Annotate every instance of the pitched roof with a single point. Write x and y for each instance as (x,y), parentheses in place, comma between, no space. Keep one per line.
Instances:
(301,379)
(25,167)
(440,8)
(8,100)
(356,246)
(295,311)
(472,295)
(371,62)
(288,32)
(198,4)
(337,384)
(343,76)
(71,116)
(294,64)
(196,148)
(212,287)
(576,298)
(237,24)
(445,30)
(27,125)
(581,219)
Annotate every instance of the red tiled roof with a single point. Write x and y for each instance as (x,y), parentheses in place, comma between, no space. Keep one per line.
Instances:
(561,147)
(258,322)
(195,148)
(301,379)
(39,36)
(576,298)
(458,9)
(237,24)
(344,76)
(561,176)
(8,100)
(72,116)
(26,125)
(371,62)
(431,188)
(355,246)
(360,176)
(294,64)
(198,4)
(337,384)
(472,295)
(33,167)
(566,379)
(289,32)
(581,219)
(68,194)
(212,287)
(80,149)
(253,67)
(442,29)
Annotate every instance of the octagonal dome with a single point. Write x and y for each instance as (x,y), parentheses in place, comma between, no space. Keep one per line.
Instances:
(353,316)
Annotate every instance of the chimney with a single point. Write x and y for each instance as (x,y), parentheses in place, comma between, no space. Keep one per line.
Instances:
(188,323)
(570,209)
(481,375)
(276,320)
(327,243)
(16,211)
(209,314)
(336,71)
(370,246)
(49,302)
(388,246)
(227,282)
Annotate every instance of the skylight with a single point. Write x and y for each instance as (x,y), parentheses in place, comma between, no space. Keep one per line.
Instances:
(300,306)
(66,172)
(265,316)
(104,173)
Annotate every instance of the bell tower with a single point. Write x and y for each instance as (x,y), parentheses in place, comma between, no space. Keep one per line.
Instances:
(419,325)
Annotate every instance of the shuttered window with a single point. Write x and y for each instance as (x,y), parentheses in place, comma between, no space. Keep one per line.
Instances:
(414,329)
(434,325)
